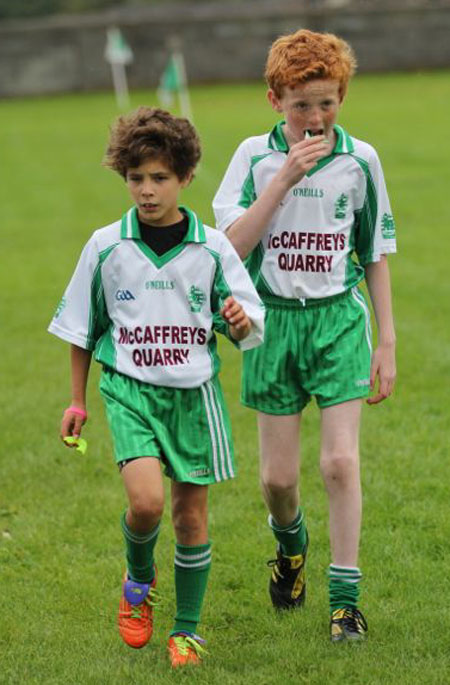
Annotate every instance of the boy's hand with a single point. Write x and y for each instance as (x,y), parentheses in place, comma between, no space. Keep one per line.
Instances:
(236,318)
(383,366)
(302,157)
(72,422)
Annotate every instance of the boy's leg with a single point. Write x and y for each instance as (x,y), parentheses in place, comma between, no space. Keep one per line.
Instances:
(339,463)
(140,524)
(192,564)
(279,464)
(279,473)
(143,483)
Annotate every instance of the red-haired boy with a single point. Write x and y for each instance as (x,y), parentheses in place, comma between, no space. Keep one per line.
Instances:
(306,207)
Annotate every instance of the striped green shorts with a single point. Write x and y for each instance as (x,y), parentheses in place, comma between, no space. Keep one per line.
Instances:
(187,428)
(321,348)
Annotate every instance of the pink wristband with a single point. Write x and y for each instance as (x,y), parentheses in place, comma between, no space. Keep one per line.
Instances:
(76,410)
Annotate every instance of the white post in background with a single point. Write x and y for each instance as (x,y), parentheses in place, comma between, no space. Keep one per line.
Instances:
(118,53)
(185,100)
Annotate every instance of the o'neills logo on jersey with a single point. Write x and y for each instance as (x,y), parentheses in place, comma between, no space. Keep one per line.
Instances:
(304,240)
(161,335)
(308,192)
(160,285)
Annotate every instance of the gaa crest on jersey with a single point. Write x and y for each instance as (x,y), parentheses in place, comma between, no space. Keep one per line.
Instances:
(340,206)
(388,226)
(60,308)
(196,298)
(124,295)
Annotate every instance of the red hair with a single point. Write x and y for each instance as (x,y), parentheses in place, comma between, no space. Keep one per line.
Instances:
(303,56)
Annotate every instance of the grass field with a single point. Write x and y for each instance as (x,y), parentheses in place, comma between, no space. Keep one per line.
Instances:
(61,554)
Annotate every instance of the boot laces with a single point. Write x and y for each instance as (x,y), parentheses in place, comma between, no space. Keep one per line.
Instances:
(184,643)
(354,620)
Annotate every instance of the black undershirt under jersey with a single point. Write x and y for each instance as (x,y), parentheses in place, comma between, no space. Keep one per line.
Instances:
(161,239)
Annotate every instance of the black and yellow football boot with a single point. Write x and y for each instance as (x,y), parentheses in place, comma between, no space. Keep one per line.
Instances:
(287,586)
(347,623)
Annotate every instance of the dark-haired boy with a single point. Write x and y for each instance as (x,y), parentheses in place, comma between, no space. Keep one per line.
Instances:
(146,298)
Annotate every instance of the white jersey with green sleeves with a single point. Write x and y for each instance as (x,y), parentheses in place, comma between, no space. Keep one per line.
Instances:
(154,317)
(328,227)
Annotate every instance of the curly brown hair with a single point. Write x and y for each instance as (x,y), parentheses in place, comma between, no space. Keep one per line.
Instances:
(151,133)
(305,55)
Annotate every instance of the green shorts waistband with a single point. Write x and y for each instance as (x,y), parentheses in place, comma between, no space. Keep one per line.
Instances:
(275,302)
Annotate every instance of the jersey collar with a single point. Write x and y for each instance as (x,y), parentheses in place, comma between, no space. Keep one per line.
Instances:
(277,140)
(344,144)
(129,227)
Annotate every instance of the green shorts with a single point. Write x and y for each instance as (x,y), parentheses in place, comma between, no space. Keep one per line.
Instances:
(188,429)
(321,348)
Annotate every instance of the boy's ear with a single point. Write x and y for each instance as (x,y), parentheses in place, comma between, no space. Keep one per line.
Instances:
(187,179)
(274,101)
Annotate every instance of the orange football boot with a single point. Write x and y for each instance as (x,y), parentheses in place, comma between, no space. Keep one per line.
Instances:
(185,648)
(136,612)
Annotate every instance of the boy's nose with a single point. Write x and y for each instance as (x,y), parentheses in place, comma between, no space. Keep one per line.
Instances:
(147,188)
(315,118)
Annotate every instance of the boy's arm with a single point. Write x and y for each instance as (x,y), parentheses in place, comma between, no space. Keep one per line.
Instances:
(383,358)
(237,309)
(72,421)
(246,231)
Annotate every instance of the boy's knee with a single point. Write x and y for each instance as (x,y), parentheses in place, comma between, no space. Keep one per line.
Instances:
(278,484)
(338,467)
(145,511)
(188,523)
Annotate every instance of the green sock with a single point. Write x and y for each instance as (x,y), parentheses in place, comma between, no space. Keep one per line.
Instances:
(192,564)
(139,552)
(292,538)
(344,586)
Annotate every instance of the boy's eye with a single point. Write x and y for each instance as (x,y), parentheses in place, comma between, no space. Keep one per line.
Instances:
(301,105)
